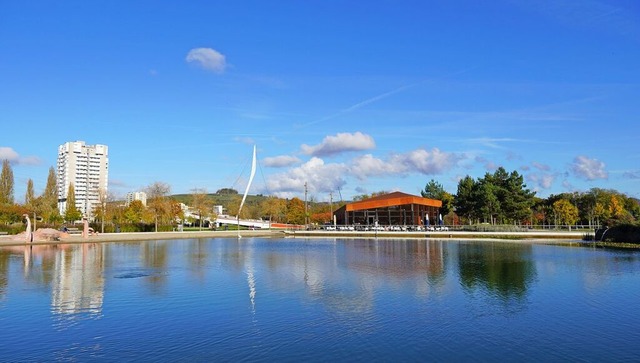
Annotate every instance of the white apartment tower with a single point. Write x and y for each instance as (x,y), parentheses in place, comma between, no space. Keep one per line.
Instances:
(141,196)
(87,167)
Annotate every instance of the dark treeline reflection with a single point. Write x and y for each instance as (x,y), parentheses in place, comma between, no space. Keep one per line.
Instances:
(503,269)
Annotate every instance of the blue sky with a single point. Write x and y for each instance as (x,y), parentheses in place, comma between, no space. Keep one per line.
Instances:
(351,97)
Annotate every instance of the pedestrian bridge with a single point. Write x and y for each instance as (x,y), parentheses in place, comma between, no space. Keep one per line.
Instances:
(250,223)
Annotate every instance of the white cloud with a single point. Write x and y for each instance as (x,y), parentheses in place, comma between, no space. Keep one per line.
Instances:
(208,59)
(324,178)
(339,143)
(368,165)
(416,161)
(7,153)
(320,177)
(280,161)
(589,169)
(427,162)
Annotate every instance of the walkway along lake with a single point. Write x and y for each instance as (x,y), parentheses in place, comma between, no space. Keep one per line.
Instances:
(320,299)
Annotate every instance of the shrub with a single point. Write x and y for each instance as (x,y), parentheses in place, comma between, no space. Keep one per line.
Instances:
(627,233)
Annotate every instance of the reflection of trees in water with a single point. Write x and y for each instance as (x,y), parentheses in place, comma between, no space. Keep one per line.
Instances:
(503,269)
(155,258)
(198,254)
(4,272)
(39,263)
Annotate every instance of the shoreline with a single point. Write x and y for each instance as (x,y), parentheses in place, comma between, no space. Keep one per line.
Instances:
(530,237)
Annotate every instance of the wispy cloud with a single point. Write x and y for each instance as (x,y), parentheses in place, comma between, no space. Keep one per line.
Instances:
(280,161)
(208,59)
(542,180)
(632,174)
(384,95)
(487,164)
(245,140)
(7,153)
(493,143)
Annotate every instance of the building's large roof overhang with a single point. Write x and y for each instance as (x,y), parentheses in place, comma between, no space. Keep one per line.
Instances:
(391,200)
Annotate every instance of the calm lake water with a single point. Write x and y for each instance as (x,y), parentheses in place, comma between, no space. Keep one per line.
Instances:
(318,300)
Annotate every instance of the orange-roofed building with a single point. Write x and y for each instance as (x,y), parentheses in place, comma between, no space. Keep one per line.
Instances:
(395,208)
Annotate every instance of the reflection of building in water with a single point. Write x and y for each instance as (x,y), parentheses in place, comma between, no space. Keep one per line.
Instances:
(397,258)
(78,282)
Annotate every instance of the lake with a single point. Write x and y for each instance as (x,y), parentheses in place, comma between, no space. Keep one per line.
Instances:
(262,299)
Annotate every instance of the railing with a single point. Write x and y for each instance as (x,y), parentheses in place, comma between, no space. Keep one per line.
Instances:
(461,228)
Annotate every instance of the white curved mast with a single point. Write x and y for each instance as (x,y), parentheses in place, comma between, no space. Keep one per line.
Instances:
(246,191)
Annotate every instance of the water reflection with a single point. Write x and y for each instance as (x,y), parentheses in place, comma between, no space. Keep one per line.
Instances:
(284,298)
(72,274)
(78,281)
(507,270)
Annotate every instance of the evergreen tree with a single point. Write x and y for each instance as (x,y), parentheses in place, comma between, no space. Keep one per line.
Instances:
(6,183)
(487,204)
(435,190)
(464,201)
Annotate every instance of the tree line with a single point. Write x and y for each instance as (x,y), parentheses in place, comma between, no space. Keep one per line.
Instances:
(500,197)
(503,198)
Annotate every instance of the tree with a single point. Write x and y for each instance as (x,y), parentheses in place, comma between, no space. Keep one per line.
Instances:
(29,198)
(101,209)
(566,212)
(488,205)
(157,201)
(71,213)
(47,205)
(274,208)
(616,207)
(201,203)
(6,183)
(464,201)
(295,211)
(435,190)
(432,190)
(134,212)
(516,199)
(227,191)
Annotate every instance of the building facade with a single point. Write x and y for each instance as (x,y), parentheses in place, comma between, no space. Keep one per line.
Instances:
(87,168)
(141,196)
(389,210)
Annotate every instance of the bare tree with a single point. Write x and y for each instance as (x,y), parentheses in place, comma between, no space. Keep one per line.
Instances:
(157,200)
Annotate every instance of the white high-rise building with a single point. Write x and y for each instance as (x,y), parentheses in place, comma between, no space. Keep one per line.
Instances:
(141,196)
(87,167)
